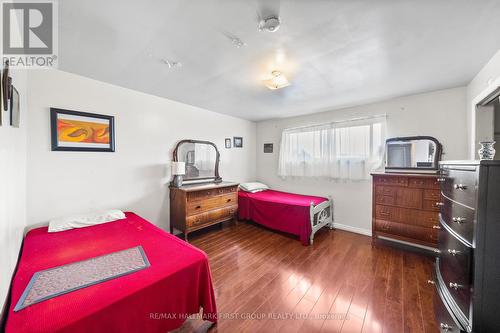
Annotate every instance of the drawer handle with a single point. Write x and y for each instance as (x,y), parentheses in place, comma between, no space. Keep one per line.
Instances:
(439,204)
(436,227)
(431,282)
(197,207)
(454,285)
(445,327)
(453,252)
(441,180)
(458,220)
(228,200)
(460,187)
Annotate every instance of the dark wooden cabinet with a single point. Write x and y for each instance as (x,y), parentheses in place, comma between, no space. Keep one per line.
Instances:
(467,275)
(405,208)
(194,207)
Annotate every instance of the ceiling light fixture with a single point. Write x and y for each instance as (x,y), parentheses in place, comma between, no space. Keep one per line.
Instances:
(278,81)
(270,24)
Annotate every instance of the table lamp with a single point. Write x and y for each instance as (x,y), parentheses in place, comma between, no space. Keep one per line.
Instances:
(178,170)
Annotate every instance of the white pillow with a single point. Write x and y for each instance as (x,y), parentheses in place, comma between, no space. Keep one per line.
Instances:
(85,220)
(253,187)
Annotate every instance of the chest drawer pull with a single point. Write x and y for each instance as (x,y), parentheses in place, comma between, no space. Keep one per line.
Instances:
(460,187)
(454,285)
(439,204)
(458,220)
(453,252)
(445,327)
(197,207)
(441,180)
(436,227)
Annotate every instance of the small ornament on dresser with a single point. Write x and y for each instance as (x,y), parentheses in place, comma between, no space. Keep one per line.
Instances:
(487,151)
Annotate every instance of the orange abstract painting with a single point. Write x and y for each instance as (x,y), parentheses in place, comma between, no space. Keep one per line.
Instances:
(82,131)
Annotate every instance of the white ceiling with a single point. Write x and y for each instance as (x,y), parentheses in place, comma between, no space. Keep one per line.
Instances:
(336,53)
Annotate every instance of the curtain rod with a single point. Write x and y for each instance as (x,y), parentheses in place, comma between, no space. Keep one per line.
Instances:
(337,122)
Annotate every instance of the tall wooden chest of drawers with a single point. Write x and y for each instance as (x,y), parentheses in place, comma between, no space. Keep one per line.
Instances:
(194,207)
(405,208)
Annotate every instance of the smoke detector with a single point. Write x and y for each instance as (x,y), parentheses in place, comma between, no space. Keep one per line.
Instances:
(270,24)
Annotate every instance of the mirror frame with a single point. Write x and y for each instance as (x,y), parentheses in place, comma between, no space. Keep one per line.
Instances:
(437,155)
(216,178)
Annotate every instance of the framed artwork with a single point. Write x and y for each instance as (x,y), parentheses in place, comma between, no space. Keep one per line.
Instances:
(15,117)
(81,131)
(238,142)
(268,148)
(228,143)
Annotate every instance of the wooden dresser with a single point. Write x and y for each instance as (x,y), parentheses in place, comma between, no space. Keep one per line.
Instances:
(194,207)
(406,208)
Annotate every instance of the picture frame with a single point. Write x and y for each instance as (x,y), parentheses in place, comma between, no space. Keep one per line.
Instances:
(81,131)
(238,142)
(15,116)
(268,148)
(227,143)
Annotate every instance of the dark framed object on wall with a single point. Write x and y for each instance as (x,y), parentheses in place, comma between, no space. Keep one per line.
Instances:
(227,143)
(238,142)
(81,131)
(268,148)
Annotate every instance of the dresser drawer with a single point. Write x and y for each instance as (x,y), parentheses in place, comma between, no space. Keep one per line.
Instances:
(424,234)
(423,182)
(385,200)
(460,186)
(211,216)
(204,194)
(446,322)
(432,205)
(385,190)
(390,180)
(455,266)
(432,195)
(205,205)
(407,216)
(459,218)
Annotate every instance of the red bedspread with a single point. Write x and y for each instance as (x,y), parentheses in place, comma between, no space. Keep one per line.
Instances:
(156,299)
(287,212)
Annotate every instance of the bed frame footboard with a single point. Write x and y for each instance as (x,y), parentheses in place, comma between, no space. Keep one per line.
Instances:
(321,215)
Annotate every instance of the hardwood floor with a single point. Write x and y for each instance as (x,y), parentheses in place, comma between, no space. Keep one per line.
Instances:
(340,284)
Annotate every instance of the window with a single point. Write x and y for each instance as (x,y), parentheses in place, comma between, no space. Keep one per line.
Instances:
(340,150)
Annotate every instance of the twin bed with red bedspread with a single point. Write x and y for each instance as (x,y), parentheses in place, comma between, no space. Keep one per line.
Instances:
(156,299)
(297,214)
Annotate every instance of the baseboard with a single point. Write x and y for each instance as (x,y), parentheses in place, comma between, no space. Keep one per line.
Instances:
(356,230)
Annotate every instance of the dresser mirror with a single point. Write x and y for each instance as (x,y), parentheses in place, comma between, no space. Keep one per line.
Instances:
(416,153)
(201,159)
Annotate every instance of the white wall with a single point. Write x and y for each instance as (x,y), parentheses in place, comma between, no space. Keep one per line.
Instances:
(486,81)
(12,187)
(136,176)
(440,114)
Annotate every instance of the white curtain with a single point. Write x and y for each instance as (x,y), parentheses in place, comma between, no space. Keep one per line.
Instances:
(347,150)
